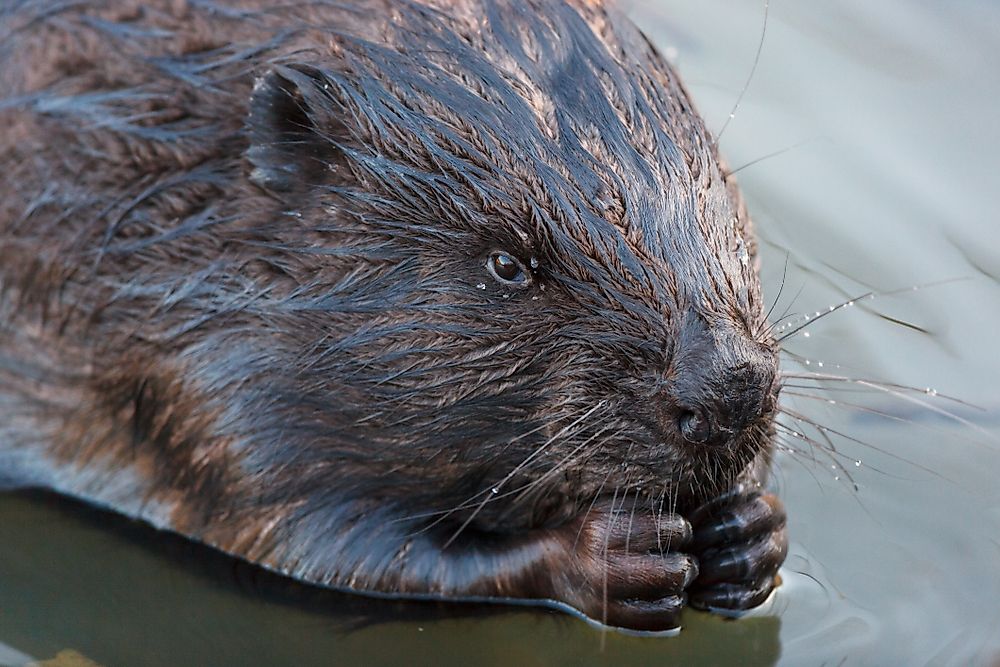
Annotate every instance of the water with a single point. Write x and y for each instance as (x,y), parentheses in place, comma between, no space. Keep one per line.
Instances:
(890,107)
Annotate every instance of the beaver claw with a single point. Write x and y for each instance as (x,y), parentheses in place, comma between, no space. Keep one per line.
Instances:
(628,571)
(740,542)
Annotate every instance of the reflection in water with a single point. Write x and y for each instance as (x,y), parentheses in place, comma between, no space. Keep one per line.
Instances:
(891,185)
(121,594)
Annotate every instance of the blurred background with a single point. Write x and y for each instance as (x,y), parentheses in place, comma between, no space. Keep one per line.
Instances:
(865,145)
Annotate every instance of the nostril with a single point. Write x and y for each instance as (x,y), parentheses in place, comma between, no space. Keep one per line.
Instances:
(694,426)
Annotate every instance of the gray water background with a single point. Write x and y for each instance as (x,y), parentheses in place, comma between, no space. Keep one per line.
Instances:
(891,109)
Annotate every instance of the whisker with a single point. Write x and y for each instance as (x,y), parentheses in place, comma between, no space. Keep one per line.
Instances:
(811,319)
(880,386)
(674,499)
(842,404)
(827,430)
(826,448)
(494,490)
(857,407)
(782,151)
(785,313)
(753,70)
(879,413)
(834,454)
(586,514)
(837,465)
(524,489)
(869,295)
(657,510)
(781,287)
(604,574)
(631,520)
(469,502)
(770,328)
(900,391)
(786,446)
(833,390)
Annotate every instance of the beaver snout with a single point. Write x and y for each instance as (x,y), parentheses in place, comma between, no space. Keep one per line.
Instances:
(720,384)
(720,412)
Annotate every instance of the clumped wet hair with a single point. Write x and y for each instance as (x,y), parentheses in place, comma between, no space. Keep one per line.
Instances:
(244,256)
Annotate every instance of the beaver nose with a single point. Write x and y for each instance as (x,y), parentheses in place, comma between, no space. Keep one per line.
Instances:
(713,410)
(721,383)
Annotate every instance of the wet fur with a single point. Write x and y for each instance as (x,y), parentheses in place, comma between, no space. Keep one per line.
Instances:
(295,354)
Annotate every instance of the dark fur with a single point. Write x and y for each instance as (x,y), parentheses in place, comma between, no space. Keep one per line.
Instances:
(260,316)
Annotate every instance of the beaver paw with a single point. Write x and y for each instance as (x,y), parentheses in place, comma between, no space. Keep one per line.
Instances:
(740,542)
(628,572)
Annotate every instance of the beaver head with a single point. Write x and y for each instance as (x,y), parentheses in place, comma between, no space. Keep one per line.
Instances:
(507,273)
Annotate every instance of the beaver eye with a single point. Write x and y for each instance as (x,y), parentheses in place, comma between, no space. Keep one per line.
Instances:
(506,269)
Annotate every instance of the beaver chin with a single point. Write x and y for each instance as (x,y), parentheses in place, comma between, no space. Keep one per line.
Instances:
(714,469)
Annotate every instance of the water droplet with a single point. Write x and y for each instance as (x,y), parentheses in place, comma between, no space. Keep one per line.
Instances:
(820,364)
(808,363)
(817,313)
(805,334)
(506,296)
(850,303)
(832,308)
(836,478)
(481,286)
(857,464)
(534,262)
(494,490)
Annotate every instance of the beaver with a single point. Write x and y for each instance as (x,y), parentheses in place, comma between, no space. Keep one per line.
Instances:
(434,299)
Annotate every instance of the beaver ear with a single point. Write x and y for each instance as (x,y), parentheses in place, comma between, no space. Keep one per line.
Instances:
(293,129)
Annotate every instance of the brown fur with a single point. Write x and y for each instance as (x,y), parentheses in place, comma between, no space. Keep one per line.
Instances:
(314,372)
